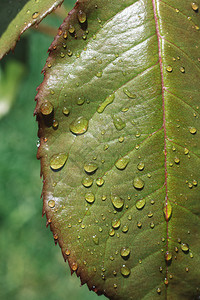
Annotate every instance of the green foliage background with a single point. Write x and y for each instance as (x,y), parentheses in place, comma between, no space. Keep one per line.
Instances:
(31,267)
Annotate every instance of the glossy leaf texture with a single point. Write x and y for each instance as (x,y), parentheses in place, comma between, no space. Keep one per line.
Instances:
(119,127)
(18,16)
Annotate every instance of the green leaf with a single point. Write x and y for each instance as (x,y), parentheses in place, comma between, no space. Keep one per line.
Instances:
(118,114)
(18,16)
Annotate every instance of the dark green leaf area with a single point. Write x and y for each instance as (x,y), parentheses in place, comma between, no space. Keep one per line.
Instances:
(119,127)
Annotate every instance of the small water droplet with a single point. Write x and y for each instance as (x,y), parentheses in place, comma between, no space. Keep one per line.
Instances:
(57,161)
(95,240)
(125,271)
(140,204)
(138,183)
(122,163)
(87,181)
(139,224)
(107,101)
(193,130)
(182,69)
(116,223)
(67,252)
(79,126)
(121,139)
(51,203)
(69,52)
(129,94)
(66,111)
(74,266)
(119,124)
(89,197)
(46,108)
(184,247)
(117,202)
(90,167)
(169,69)
(99,74)
(112,232)
(80,101)
(82,16)
(158,290)
(168,256)
(125,228)
(100,181)
(125,252)
(167,210)
(71,29)
(140,166)
(35,15)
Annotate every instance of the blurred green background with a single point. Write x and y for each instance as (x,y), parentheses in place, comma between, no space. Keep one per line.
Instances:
(31,266)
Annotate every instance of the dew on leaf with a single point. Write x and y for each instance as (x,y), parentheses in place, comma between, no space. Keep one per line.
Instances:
(129,94)
(117,202)
(67,252)
(90,167)
(125,252)
(82,16)
(169,69)
(125,228)
(66,111)
(69,52)
(158,290)
(95,240)
(116,223)
(168,256)
(57,161)
(79,126)
(122,163)
(182,69)
(35,15)
(107,101)
(99,181)
(51,203)
(121,139)
(80,101)
(139,224)
(194,6)
(99,74)
(138,183)
(55,124)
(89,197)
(118,122)
(193,130)
(140,204)
(125,271)
(140,166)
(74,266)
(167,210)
(195,183)
(112,232)
(46,108)
(87,181)
(177,160)
(152,225)
(71,29)
(184,247)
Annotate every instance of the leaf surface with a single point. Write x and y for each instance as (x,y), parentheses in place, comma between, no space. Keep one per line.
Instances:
(18,16)
(119,126)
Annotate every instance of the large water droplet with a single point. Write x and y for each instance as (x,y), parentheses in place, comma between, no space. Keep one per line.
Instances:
(194,6)
(116,223)
(140,203)
(167,210)
(90,167)
(129,94)
(79,126)
(107,101)
(122,163)
(138,183)
(184,247)
(193,130)
(57,161)
(46,108)
(82,16)
(125,271)
(125,252)
(117,202)
(119,124)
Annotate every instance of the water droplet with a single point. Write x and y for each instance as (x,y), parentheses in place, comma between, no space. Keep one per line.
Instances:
(139,224)
(69,52)
(74,266)
(82,16)
(90,167)
(99,74)
(182,69)
(51,203)
(122,163)
(57,161)
(67,252)
(186,151)
(138,183)
(115,285)
(55,124)
(112,232)
(195,183)
(107,101)
(119,124)
(168,256)
(129,94)
(152,225)
(184,247)
(125,271)
(167,210)
(116,223)
(89,197)
(87,181)
(66,111)
(140,166)
(158,290)
(117,202)
(46,108)
(193,130)
(79,126)
(194,6)
(35,15)
(140,204)
(125,252)
(95,240)
(100,181)
(80,101)
(169,69)
(71,29)
(177,160)
(125,228)
(121,139)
